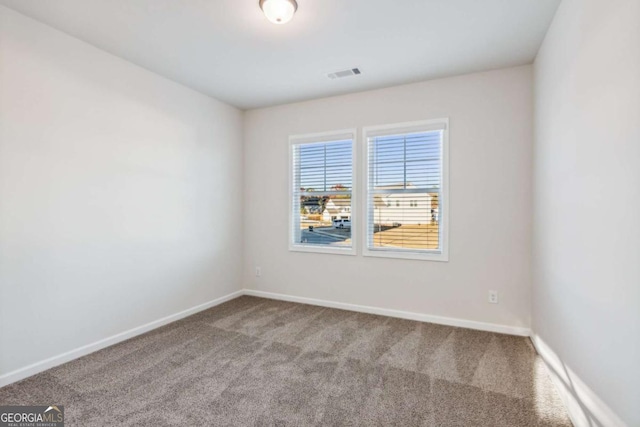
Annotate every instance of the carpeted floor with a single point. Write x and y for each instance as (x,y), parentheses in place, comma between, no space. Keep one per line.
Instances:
(253,361)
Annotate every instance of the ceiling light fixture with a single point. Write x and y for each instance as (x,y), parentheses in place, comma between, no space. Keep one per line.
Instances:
(279,11)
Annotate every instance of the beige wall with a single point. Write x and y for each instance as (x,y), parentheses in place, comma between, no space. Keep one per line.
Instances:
(587,201)
(117,191)
(490,166)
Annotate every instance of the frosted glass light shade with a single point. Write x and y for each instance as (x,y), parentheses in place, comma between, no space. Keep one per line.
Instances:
(279,11)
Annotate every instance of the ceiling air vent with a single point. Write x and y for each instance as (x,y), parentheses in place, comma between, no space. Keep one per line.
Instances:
(344,73)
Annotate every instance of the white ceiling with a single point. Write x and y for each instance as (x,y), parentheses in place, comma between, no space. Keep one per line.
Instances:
(228,49)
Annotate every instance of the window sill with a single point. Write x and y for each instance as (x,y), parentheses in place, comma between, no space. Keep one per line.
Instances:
(400,254)
(322,249)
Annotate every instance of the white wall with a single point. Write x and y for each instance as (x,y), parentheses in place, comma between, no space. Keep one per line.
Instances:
(587,203)
(491,141)
(117,191)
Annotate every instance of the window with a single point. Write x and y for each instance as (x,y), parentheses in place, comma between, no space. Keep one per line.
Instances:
(322,182)
(407,190)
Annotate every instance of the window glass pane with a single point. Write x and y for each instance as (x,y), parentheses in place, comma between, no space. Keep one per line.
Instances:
(322,184)
(407,221)
(404,189)
(325,220)
(323,167)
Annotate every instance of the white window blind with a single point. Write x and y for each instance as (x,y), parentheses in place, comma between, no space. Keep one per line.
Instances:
(405,197)
(322,185)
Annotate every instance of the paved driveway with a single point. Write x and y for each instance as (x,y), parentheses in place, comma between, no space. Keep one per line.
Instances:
(325,235)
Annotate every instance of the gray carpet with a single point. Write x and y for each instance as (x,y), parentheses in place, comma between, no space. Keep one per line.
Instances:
(254,361)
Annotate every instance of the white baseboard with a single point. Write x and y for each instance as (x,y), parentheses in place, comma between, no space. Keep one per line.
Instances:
(35,368)
(584,407)
(49,363)
(449,321)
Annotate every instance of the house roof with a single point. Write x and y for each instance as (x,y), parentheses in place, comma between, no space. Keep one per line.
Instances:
(335,205)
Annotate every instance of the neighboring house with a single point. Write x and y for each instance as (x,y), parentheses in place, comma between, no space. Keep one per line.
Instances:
(337,209)
(312,205)
(405,208)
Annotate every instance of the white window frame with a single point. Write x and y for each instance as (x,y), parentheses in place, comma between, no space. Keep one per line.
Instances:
(397,129)
(316,138)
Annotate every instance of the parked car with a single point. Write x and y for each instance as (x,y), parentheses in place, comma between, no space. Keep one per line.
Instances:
(341,223)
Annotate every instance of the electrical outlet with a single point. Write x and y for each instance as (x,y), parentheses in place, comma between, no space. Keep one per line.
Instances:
(493,297)
(258,271)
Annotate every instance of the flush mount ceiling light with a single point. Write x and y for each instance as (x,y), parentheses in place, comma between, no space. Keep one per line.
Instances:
(279,11)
